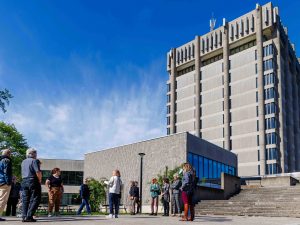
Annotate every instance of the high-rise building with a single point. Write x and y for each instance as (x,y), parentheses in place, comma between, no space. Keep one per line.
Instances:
(238,86)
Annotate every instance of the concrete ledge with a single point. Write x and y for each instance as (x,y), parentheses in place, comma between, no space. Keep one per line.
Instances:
(282,181)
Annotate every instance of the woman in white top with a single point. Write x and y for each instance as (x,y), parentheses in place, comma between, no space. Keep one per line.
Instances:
(114,185)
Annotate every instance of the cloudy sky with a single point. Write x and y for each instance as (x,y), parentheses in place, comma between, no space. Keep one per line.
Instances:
(88,75)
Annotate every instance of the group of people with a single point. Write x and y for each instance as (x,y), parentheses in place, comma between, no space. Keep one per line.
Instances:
(176,192)
(28,194)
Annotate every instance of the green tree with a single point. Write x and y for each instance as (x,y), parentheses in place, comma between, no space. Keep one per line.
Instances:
(167,174)
(12,139)
(98,193)
(4,99)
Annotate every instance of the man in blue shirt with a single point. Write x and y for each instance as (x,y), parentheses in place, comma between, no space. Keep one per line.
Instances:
(31,185)
(85,196)
(5,179)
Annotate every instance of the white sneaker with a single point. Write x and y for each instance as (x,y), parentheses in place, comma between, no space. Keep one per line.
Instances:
(110,216)
(50,215)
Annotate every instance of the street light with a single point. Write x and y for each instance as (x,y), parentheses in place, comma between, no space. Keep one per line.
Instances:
(141,154)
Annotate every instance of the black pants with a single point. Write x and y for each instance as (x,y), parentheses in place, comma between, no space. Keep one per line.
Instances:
(31,197)
(166,208)
(11,206)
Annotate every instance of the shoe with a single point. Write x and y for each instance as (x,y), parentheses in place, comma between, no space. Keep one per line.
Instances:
(155,214)
(50,215)
(29,220)
(1,219)
(151,214)
(110,216)
(116,216)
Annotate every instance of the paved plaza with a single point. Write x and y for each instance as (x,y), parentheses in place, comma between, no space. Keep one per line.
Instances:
(148,220)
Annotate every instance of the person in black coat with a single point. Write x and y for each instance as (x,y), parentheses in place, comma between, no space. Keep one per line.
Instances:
(14,197)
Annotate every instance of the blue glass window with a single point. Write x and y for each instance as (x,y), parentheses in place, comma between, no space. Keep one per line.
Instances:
(205,167)
(196,164)
(215,169)
(210,169)
(201,172)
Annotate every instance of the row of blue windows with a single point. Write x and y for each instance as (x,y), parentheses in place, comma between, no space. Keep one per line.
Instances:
(268,50)
(268,64)
(270,123)
(269,93)
(208,168)
(272,168)
(271,138)
(269,78)
(271,153)
(270,108)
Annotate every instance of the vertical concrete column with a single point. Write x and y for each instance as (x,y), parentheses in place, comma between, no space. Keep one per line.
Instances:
(281,98)
(261,103)
(197,80)
(226,68)
(173,92)
(296,117)
(289,109)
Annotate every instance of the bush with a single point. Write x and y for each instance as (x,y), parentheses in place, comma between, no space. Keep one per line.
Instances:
(98,193)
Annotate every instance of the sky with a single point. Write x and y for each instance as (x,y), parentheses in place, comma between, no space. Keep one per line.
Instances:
(89,75)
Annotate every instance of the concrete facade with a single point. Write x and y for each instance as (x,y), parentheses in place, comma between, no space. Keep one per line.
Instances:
(170,151)
(238,87)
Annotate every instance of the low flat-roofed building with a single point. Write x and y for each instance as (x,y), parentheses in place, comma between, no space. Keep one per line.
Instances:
(72,176)
(171,151)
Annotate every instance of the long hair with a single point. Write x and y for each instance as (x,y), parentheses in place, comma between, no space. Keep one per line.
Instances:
(187,167)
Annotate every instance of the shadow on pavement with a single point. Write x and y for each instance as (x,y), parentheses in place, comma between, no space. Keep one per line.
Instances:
(212,219)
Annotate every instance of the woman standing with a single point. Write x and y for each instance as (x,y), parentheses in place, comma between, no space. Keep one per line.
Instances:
(175,187)
(166,196)
(154,192)
(114,185)
(187,189)
(55,190)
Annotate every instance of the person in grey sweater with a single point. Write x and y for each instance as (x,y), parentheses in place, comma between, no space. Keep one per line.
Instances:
(175,190)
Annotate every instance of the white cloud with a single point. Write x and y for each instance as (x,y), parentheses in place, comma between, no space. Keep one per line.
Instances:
(81,122)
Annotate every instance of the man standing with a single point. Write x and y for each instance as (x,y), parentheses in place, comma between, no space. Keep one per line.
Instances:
(85,196)
(5,179)
(31,185)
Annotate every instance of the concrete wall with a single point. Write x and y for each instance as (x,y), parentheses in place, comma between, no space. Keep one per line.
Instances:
(160,152)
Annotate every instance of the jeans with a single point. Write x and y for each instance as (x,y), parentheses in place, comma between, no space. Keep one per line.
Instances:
(85,202)
(176,204)
(31,197)
(114,202)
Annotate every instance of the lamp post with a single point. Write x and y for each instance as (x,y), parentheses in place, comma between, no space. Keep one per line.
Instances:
(141,154)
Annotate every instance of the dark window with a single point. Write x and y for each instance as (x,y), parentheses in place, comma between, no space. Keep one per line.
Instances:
(68,177)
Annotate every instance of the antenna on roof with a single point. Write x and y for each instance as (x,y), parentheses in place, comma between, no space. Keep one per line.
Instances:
(212,22)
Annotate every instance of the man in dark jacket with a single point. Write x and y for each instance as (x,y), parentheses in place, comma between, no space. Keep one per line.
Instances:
(85,196)
(5,179)
(133,197)
(13,197)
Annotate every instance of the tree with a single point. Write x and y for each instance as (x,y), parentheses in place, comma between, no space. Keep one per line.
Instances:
(15,141)
(168,174)
(4,99)
(98,193)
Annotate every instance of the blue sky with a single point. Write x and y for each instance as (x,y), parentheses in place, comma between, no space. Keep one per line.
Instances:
(88,75)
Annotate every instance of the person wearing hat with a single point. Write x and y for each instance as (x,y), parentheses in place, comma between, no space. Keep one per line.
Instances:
(31,185)
(5,179)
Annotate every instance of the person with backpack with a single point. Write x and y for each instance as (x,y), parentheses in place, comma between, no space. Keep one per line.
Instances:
(154,192)
(187,188)
(85,196)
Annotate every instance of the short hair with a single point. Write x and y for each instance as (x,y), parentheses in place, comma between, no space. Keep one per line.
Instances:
(30,152)
(166,180)
(154,180)
(55,170)
(6,151)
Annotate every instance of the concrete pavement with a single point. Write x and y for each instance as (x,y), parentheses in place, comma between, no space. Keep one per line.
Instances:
(159,220)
